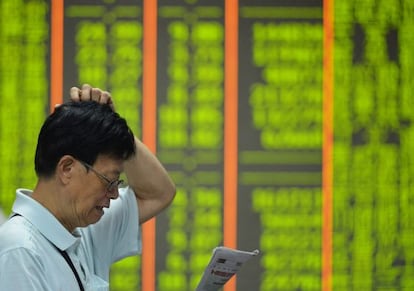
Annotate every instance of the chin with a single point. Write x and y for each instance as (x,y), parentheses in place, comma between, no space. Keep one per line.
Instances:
(95,216)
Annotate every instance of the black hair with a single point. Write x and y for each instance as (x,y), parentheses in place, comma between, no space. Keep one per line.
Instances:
(83,130)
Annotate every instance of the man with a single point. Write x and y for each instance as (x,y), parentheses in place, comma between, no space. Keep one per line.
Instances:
(67,232)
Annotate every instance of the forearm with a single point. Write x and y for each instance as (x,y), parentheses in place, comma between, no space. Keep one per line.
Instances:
(151,183)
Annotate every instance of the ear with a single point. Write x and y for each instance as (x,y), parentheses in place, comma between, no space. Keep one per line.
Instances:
(65,168)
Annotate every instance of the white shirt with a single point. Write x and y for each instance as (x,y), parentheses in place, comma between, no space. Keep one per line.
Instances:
(29,259)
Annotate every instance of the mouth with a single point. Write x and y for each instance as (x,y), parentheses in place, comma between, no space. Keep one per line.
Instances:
(101,208)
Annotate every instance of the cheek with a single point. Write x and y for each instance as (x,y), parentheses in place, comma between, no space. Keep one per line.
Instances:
(93,190)
(87,200)
(94,197)
(88,211)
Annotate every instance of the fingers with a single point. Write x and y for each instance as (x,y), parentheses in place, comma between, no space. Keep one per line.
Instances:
(111,103)
(104,97)
(95,94)
(87,93)
(75,94)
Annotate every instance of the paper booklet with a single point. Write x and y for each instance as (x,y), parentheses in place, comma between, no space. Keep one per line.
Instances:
(224,263)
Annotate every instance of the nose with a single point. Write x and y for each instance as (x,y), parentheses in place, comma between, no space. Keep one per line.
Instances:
(113,193)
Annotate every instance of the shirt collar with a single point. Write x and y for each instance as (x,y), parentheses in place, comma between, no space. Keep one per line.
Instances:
(44,221)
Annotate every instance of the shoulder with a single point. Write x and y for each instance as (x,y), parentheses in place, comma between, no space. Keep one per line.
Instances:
(17,233)
(16,257)
(22,247)
(21,269)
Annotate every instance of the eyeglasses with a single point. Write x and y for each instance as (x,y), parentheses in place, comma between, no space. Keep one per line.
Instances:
(111,185)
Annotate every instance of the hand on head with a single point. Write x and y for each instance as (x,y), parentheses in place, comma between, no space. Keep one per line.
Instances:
(87,93)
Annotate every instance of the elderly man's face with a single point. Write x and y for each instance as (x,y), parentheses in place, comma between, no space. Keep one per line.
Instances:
(90,194)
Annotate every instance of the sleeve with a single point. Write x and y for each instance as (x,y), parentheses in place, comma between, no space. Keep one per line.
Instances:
(20,261)
(117,235)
